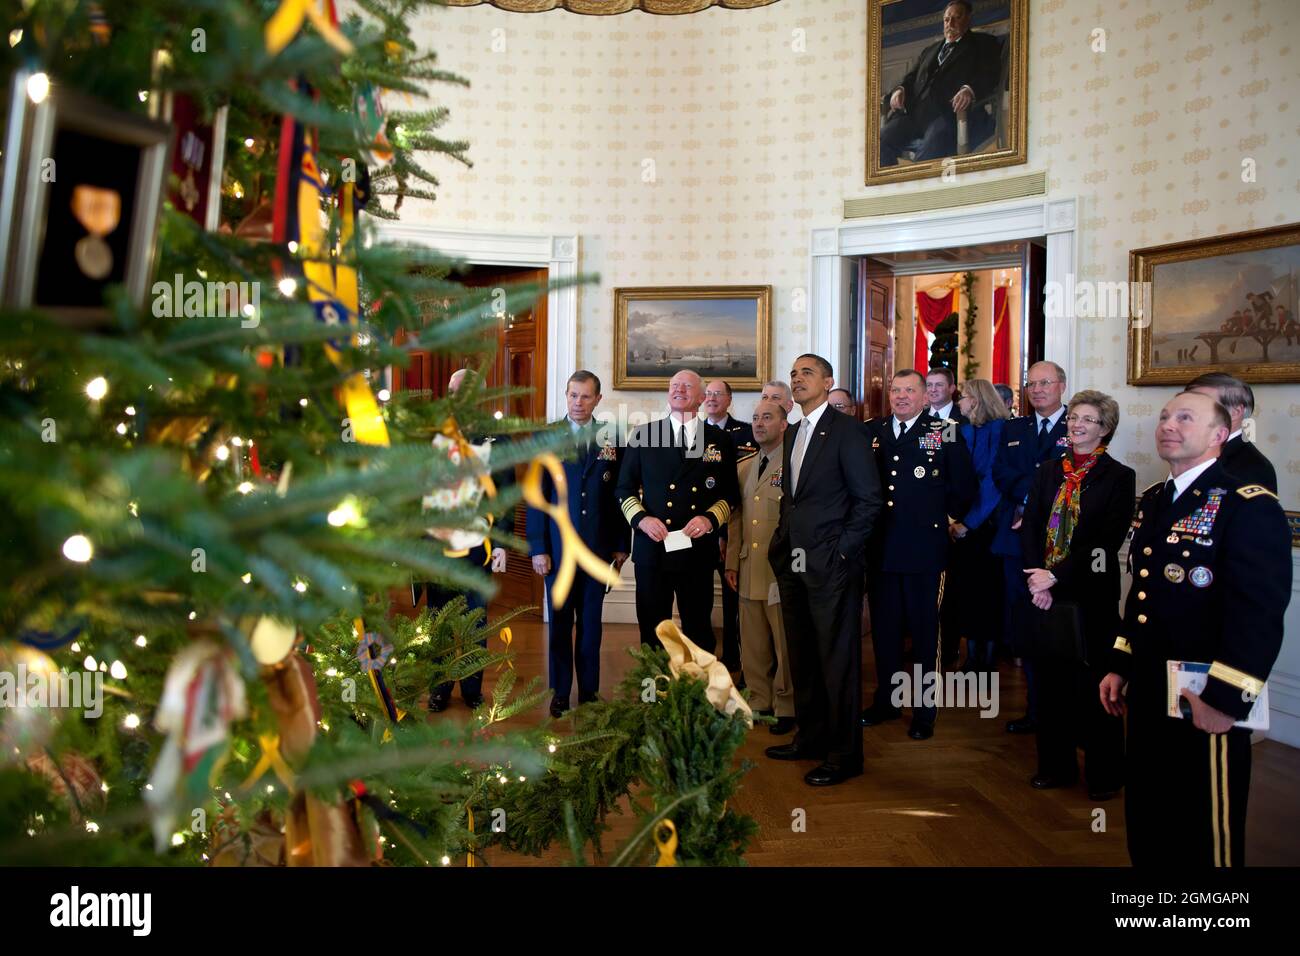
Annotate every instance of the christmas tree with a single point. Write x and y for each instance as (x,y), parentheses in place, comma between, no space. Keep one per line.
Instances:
(210,496)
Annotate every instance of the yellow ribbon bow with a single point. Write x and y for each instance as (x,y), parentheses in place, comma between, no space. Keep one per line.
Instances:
(287,21)
(573,551)
(506,636)
(666,838)
(271,759)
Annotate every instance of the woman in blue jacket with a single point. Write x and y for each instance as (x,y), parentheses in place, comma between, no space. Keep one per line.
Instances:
(977,576)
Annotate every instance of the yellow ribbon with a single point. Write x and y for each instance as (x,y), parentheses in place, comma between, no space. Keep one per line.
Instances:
(667,844)
(469,853)
(271,759)
(506,636)
(287,21)
(573,552)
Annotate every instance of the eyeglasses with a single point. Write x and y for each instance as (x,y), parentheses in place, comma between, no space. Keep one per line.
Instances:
(839,406)
(1085,419)
(1041,383)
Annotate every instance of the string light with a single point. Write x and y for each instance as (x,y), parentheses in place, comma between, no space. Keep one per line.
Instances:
(144,96)
(446,861)
(140,640)
(300,586)
(222,453)
(134,508)
(76,647)
(247,577)
(92,826)
(38,85)
(89,663)
(302,402)
(244,487)
(249,142)
(178,839)
(236,441)
(384,395)
(78,548)
(131,722)
(193,615)
(118,670)
(97,388)
(288,286)
(15,37)
(121,428)
(130,409)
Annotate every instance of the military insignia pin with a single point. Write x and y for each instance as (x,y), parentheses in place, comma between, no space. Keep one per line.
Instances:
(605,476)
(919,471)
(1172,539)
(1174,573)
(1205,541)
(710,481)
(1201,576)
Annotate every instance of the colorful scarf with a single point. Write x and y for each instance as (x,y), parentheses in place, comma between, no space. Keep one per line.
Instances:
(1065,509)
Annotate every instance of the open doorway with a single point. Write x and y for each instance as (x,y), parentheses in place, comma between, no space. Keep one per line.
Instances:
(518,360)
(908,306)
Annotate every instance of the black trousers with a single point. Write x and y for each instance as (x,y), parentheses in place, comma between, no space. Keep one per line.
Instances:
(1186,793)
(582,607)
(655,589)
(823,617)
(1070,715)
(904,604)
(436,595)
(730,621)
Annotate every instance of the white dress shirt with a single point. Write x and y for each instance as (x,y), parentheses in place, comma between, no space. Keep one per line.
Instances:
(1051,419)
(1184,481)
(909,423)
(692,426)
(801,439)
(944,412)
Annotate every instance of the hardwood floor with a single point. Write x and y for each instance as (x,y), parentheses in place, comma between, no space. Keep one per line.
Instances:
(959,799)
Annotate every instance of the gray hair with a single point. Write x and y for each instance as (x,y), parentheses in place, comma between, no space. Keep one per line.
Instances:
(1233,392)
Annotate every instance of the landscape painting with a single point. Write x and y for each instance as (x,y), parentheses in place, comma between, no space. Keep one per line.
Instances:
(719,331)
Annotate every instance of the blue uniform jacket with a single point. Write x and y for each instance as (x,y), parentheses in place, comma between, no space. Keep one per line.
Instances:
(593,507)
(1018,457)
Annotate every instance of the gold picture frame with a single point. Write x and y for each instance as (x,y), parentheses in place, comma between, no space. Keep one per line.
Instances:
(719,331)
(904,40)
(1223,303)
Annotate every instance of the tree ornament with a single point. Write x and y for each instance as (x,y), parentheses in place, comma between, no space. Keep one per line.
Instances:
(26,722)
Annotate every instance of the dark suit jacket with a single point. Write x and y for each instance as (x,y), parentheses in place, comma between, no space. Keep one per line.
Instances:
(591,479)
(928,88)
(1247,464)
(675,485)
(926,479)
(1105,510)
(742,436)
(1018,457)
(832,514)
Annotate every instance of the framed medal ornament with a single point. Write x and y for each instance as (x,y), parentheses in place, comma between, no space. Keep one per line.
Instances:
(80,197)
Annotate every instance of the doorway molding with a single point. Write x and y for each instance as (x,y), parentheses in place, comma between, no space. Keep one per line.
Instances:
(832,253)
(557,254)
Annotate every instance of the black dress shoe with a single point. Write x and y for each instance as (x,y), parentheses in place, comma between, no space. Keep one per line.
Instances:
(874,715)
(1022,725)
(920,730)
(588,700)
(437,704)
(827,775)
(793,751)
(1047,781)
(558,706)
(474,703)
(783,725)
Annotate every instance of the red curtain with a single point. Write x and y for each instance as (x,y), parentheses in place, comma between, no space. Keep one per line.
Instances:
(1001,337)
(929,313)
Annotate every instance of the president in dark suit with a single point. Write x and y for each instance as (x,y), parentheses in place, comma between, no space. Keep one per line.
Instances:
(591,477)
(677,487)
(1240,458)
(928,476)
(948,77)
(830,496)
(1027,442)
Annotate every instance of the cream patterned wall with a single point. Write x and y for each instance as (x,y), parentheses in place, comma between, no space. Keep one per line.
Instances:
(702,149)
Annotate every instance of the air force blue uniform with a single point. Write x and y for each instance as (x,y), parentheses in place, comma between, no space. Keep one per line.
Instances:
(591,477)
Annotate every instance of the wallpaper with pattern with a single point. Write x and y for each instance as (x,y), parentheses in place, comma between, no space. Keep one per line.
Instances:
(703,149)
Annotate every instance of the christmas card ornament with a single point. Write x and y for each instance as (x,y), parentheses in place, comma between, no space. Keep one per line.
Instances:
(27,722)
(573,552)
(202,695)
(685,658)
(370,117)
(75,771)
(287,21)
(198,151)
(465,494)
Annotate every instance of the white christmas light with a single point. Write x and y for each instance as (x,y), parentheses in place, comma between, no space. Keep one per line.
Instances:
(244,487)
(76,647)
(193,615)
(130,409)
(78,548)
(247,577)
(121,428)
(144,96)
(293,246)
(131,722)
(237,441)
(15,37)
(288,286)
(446,861)
(118,670)
(140,640)
(300,586)
(92,826)
(38,85)
(345,513)
(89,663)
(249,142)
(97,388)
(302,402)
(222,453)
(498,415)
(178,839)
(384,395)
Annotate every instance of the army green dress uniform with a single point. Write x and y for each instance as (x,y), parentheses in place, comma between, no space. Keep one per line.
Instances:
(673,483)
(1211,578)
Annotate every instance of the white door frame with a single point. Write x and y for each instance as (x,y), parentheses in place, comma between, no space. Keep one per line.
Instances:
(831,268)
(557,254)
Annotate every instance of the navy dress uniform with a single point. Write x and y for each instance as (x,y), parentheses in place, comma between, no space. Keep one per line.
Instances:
(742,439)
(591,478)
(675,479)
(1211,581)
(927,475)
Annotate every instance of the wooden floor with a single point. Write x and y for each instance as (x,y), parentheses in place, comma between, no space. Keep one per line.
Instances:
(959,799)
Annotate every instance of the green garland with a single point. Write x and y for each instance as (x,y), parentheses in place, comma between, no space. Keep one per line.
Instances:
(970,366)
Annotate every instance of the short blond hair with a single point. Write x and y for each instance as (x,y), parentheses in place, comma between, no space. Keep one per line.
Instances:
(1106,407)
(988,403)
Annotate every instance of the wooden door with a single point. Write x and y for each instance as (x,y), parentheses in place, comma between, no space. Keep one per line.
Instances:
(1032,341)
(878,335)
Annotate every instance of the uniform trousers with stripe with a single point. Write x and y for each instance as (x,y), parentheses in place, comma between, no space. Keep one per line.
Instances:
(656,587)
(1186,792)
(763,657)
(905,604)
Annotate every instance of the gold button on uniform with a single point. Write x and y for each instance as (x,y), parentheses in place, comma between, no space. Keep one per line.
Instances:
(893,473)
(693,488)
(672,487)
(1142,595)
(1146,550)
(890,503)
(1142,618)
(755,544)
(670,504)
(891,487)
(895,458)
(1144,572)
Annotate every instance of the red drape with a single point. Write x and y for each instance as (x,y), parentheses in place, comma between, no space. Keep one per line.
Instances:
(929,313)
(1001,337)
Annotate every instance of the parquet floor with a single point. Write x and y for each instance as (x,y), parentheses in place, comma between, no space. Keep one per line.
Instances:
(959,799)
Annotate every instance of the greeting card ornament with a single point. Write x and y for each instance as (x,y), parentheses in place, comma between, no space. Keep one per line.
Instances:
(202,695)
(687,658)
(75,771)
(99,211)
